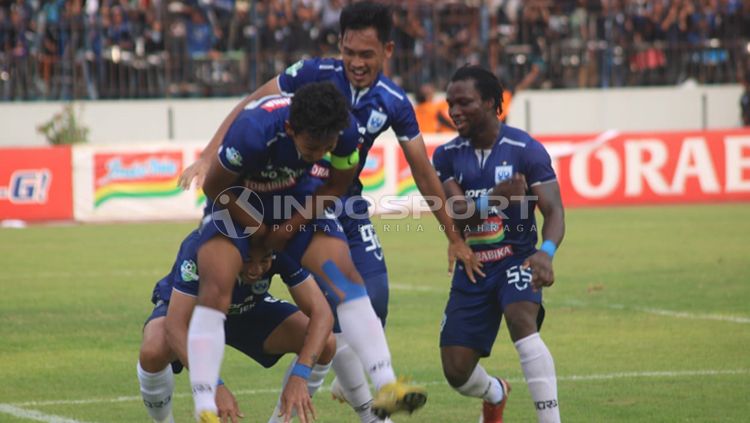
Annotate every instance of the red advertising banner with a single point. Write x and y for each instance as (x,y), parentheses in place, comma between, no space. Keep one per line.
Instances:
(36,183)
(652,168)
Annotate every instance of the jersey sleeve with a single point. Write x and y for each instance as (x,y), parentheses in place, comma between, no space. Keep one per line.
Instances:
(185,277)
(346,154)
(291,273)
(299,74)
(442,164)
(537,164)
(243,145)
(404,120)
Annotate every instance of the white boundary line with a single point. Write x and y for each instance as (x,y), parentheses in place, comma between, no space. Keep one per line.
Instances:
(34,415)
(275,391)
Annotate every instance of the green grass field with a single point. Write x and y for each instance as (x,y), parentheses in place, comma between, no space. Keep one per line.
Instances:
(649,321)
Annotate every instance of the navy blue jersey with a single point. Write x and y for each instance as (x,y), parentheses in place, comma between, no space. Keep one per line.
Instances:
(184,277)
(258,149)
(383,105)
(511,230)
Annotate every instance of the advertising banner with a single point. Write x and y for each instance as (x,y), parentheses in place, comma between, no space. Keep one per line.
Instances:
(652,168)
(36,184)
(131,183)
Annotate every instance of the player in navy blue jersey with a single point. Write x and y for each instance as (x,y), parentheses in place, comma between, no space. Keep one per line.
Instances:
(268,152)
(495,176)
(378,104)
(259,325)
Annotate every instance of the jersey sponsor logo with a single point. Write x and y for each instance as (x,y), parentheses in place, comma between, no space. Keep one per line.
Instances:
(189,271)
(497,254)
(279,179)
(318,171)
(260,287)
(233,156)
(276,103)
(27,186)
(491,231)
(293,70)
(503,172)
(376,121)
(476,193)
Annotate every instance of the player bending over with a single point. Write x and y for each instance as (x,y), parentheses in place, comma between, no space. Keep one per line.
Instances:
(262,327)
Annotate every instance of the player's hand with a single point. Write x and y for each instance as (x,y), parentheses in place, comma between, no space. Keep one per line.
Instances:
(541,270)
(229,411)
(196,171)
(459,250)
(515,186)
(296,397)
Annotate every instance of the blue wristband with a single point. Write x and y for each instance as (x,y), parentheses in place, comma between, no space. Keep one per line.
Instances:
(483,204)
(300,370)
(220,382)
(548,247)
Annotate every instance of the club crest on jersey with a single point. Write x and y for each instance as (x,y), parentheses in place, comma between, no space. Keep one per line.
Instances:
(189,271)
(260,287)
(376,121)
(503,172)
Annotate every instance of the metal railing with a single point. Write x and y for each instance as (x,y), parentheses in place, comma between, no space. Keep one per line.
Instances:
(76,60)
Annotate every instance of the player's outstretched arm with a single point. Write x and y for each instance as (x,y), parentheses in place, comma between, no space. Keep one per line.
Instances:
(311,301)
(198,170)
(431,189)
(177,322)
(553,231)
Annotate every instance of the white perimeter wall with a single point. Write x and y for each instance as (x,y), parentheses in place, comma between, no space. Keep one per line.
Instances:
(540,112)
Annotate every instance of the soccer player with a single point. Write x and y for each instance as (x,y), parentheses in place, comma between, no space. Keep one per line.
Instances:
(377,104)
(259,325)
(269,149)
(485,172)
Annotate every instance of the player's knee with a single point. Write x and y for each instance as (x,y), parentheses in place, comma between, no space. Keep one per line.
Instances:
(154,356)
(521,326)
(329,350)
(456,371)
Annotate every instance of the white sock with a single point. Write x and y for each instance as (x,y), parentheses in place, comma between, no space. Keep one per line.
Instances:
(317,376)
(156,390)
(205,346)
(277,409)
(539,370)
(350,374)
(482,385)
(362,330)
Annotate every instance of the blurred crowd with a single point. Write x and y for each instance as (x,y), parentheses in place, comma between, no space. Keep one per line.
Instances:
(156,48)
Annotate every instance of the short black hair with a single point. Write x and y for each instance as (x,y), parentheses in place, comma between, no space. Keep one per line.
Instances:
(319,109)
(367,14)
(486,83)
